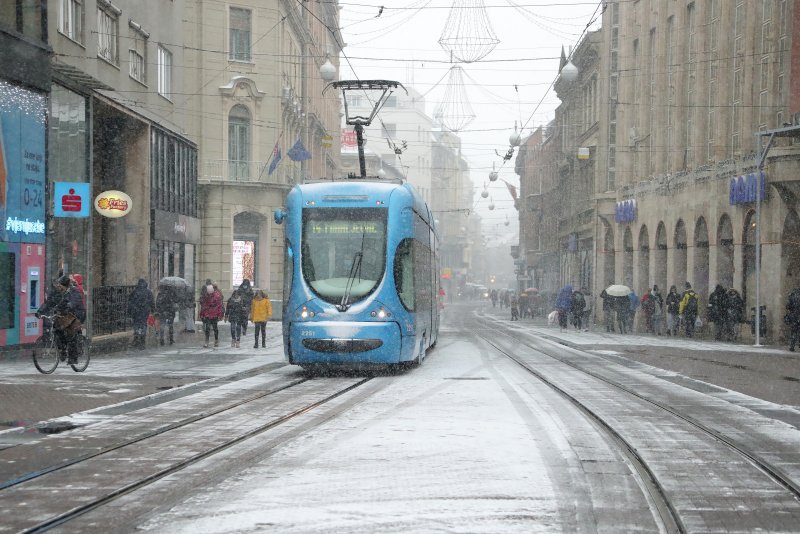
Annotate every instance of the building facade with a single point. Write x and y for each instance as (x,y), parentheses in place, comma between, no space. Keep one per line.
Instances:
(24,90)
(256,81)
(684,90)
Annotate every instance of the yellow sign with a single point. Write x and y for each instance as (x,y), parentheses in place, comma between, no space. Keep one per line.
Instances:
(327,141)
(113,204)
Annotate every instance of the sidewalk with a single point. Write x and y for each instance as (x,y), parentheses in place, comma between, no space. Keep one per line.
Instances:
(771,373)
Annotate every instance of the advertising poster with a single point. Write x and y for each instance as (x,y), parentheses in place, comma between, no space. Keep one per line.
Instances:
(243,261)
(22,174)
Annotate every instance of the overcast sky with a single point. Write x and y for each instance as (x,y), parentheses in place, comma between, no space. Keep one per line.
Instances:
(399,40)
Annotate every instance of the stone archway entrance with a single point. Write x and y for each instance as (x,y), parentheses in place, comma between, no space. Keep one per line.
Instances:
(661,258)
(700,274)
(749,259)
(627,258)
(608,257)
(790,254)
(679,265)
(725,251)
(643,281)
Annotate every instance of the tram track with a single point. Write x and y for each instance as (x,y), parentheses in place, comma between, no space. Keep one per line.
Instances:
(57,494)
(663,496)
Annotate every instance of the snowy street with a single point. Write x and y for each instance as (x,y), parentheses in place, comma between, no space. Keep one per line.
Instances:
(505,427)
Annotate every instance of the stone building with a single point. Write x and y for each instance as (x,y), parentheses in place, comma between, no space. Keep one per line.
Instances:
(683,90)
(256,72)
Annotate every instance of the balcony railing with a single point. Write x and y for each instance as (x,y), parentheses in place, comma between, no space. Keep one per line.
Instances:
(242,171)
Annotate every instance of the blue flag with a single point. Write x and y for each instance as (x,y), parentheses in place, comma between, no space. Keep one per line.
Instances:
(298,152)
(276,158)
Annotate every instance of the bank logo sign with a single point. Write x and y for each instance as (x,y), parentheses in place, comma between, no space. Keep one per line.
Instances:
(72,199)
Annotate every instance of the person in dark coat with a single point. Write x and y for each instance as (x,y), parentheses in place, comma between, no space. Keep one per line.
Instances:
(673,311)
(608,310)
(718,311)
(793,317)
(166,306)
(735,315)
(66,302)
(247,293)
(578,304)
(622,306)
(140,306)
(236,313)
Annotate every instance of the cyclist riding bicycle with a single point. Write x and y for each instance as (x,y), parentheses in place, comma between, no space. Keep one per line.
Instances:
(66,303)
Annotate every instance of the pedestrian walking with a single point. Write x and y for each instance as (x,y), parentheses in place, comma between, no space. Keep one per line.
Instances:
(657,303)
(514,308)
(166,306)
(211,311)
(622,306)
(140,305)
(186,311)
(564,305)
(578,304)
(236,314)
(688,309)
(587,308)
(494,298)
(246,290)
(647,311)
(673,311)
(735,315)
(718,311)
(608,310)
(792,317)
(260,312)
(633,300)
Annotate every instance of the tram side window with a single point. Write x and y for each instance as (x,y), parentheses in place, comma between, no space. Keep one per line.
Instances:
(422,275)
(404,273)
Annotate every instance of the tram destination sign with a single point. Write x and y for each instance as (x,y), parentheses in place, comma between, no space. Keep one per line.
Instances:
(344,227)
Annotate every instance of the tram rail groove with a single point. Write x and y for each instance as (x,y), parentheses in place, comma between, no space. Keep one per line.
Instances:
(670,518)
(82,509)
(162,430)
(778,475)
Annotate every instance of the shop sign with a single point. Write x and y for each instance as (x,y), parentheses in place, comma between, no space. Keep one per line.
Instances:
(22,164)
(113,204)
(349,140)
(743,188)
(625,211)
(175,227)
(71,199)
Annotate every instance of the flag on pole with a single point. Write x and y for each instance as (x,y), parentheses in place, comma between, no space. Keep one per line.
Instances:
(298,152)
(511,189)
(276,158)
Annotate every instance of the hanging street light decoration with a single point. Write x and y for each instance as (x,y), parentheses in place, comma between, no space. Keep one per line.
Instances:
(468,33)
(455,112)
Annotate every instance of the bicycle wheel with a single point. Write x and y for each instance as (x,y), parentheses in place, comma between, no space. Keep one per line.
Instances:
(46,354)
(83,355)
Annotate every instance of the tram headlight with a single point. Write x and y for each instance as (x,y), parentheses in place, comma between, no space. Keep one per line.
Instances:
(380,313)
(305,313)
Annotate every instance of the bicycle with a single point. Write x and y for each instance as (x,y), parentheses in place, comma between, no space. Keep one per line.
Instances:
(47,352)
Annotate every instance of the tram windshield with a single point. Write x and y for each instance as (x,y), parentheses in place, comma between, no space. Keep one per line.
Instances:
(343,252)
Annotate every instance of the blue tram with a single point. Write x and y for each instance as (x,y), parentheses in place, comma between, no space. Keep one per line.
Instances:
(361,275)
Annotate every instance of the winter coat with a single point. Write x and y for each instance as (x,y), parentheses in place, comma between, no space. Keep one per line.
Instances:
(260,310)
(564,298)
(140,302)
(64,302)
(578,303)
(211,305)
(682,309)
(608,301)
(718,305)
(247,294)
(166,302)
(793,308)
(735,307)
(673,303)
(633,299)
(235,310)
(657,304)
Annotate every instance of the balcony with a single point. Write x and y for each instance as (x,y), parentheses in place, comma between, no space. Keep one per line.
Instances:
(223,170)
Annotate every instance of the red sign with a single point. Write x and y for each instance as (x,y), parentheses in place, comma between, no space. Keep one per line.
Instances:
(71,201)
(349,141)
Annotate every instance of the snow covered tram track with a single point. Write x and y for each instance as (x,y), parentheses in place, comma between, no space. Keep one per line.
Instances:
(745,491)
(63,492)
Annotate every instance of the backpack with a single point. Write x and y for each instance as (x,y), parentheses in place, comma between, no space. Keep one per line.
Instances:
(691,305)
